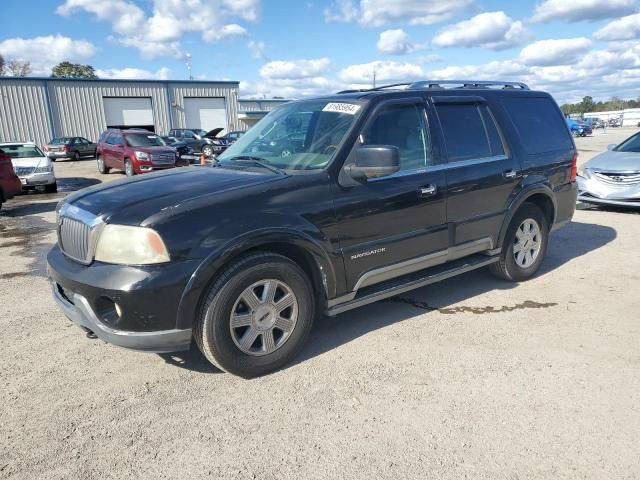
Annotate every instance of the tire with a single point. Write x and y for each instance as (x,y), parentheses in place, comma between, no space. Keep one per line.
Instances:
(76,156)
(516,267)
(102,168)
(51,188)
(128,168)
(221,344)
(207,150)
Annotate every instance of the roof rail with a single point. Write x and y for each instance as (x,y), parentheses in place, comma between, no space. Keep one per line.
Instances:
(468,84)
(422,84)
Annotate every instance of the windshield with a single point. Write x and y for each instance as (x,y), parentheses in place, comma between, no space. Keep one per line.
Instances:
(60,141)
(301,135)
(631,144)
(22,151)
(199,132)
(144,140)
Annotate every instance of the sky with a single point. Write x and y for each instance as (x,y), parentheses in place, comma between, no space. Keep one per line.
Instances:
(293,49)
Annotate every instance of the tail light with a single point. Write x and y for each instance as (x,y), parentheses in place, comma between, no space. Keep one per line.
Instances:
(574,167)
(66,148)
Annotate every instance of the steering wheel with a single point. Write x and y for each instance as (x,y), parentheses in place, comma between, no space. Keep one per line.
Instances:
(329,147)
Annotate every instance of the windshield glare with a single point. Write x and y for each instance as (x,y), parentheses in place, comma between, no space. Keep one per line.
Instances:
(22,151)
(631,144)
(301,135)
(199,132)
(145,140)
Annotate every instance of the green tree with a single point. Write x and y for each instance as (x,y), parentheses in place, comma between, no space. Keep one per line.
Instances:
(587,104)
(73,70)
(2,65)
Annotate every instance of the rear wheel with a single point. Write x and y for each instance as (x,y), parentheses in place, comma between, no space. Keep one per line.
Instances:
(128,168)
(525,245)
(76,156)
(102,168)
(256,316)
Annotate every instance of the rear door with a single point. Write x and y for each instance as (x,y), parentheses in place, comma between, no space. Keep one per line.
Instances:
(394,225)
(482,174)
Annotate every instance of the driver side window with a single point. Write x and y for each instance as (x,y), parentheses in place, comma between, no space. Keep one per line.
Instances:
(402,126)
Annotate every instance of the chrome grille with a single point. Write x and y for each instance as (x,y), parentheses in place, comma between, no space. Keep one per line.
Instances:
(74,238)
(22,171)
(163,158)
(618,178)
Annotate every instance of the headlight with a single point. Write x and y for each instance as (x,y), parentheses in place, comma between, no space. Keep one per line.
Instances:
(584,172)
(142,155)
(130,246)
(45,169)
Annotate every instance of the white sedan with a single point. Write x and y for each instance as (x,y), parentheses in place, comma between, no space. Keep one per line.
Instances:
(31,165)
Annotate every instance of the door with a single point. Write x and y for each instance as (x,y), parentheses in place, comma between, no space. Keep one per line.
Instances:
(206,113)
(114,156)
(393,225)
(128,112)
(482,175)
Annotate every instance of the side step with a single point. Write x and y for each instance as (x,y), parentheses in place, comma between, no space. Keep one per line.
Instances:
(412,281)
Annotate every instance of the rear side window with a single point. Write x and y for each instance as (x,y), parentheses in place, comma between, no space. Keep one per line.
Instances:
(469,131)
(539,124)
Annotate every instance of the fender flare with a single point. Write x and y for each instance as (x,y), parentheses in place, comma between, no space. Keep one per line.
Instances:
(208,268)
(522,197)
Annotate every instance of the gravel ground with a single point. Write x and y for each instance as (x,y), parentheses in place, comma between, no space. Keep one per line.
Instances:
(469,378)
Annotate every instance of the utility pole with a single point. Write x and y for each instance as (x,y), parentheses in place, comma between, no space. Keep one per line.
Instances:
(374,79)
(189,65)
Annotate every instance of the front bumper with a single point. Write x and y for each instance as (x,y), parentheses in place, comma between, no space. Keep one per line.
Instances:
(147,301)
(36,179)
(591,190)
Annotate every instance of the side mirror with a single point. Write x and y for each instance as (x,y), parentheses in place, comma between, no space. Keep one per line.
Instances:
(374,161)
(611,146)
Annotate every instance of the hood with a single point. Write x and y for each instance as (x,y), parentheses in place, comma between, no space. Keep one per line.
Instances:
(29,162)
(131,201)
(615,161)
(213,133)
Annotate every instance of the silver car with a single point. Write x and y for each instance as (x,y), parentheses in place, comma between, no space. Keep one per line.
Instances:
(613,177)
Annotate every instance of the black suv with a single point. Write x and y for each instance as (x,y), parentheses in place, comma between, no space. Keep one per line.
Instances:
(201,141)
(389,190)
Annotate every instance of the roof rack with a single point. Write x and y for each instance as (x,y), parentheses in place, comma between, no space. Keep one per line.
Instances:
(438,84)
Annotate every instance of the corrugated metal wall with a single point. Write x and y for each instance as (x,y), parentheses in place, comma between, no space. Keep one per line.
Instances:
(23,112)
(75,107)
(259,105)
(179,91)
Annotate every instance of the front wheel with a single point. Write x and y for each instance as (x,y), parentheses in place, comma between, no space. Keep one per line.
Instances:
(102,168)
(51,188)
(128,168)
(525,245)
(207,150)
(257,316)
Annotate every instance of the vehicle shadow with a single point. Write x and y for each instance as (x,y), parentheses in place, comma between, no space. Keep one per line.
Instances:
(567,244)
(192,359)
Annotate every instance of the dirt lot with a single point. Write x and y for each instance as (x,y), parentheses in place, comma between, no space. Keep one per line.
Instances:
(470,378)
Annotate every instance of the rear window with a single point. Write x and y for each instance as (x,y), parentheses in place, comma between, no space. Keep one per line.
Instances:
(469,131)
(539,124)
(60,141)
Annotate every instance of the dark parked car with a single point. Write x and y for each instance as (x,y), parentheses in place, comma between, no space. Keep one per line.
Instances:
(232,137)
(201,141)
(134,151)
(69,147)
(10,184)
(185,152)
(392,190)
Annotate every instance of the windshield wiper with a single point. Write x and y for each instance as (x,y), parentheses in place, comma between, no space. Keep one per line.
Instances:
(257,161)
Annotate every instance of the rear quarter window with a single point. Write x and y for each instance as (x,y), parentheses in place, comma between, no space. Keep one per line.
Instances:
(539,124)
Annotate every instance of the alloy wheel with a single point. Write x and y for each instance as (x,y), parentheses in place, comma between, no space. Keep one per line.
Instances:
(527,243)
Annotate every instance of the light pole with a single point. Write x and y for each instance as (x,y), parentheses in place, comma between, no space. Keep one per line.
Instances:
(189,65)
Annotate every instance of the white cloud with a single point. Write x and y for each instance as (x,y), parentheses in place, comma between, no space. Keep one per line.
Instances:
(375,13)
(159,33)
(386,71)
(565,51)
(131,73)
(295,69)
(258,50)
(592,10)
(394,42)
(493,30)
(45,52)
(625,28)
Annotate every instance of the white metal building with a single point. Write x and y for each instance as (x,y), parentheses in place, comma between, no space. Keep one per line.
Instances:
(39,109)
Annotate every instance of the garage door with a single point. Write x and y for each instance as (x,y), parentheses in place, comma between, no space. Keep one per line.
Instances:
(128,112)
(205,112)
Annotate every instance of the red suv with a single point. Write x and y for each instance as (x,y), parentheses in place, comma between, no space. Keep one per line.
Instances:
(135,152)
(9,181)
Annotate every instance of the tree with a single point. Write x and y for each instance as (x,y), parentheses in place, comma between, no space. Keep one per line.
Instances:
(73,70)
(2,66)
(587,104)
(18,68)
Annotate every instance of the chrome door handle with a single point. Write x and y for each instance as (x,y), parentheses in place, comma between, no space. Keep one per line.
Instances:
(428,191)
(510,174)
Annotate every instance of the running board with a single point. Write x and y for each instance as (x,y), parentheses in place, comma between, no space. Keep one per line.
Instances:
(409,282)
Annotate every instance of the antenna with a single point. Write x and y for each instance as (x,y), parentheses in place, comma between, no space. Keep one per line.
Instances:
(188,55)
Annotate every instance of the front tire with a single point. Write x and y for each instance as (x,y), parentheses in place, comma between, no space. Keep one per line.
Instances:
(128,168)
(207,151)
(525,245)
(102,168)
(256,316)
(51,188)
